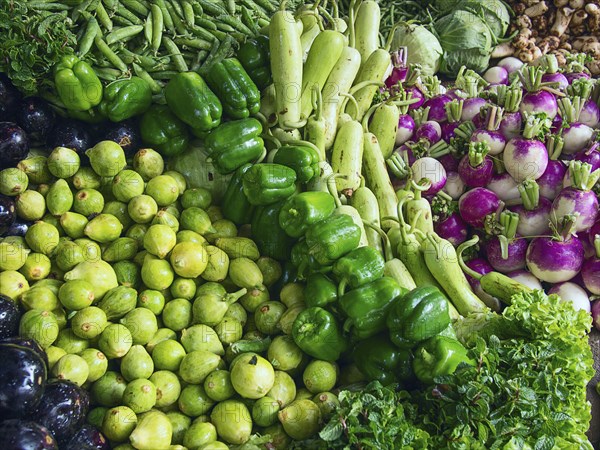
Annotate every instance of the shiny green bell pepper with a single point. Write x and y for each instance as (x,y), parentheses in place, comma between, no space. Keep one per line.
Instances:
(439,355)
(233,144)
(378,359)
(305,209)
(238,94)
(367,306)
(418,315)
(234,204)
(332,238)
(268,183)
(254,55)
(123,99)
(78,86)
(317,333)
(303,159)
(268,235)
(361,266)
(190,99)
(319,290)
(163,131)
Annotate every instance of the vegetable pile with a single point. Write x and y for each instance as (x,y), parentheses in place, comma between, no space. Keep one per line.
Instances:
(299,238)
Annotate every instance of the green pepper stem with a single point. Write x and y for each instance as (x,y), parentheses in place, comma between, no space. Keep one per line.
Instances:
(341,289)
(582,177)
(477,153)
(459,252)
(530,194)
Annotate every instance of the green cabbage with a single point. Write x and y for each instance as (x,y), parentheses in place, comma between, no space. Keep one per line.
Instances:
(494,13)
(423,48)
(466,40)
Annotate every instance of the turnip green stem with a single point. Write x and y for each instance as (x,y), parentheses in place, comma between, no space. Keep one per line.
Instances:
(510,97)
(554,145)
(454,110)
(536,125)
(494,118)
(582,177)
(530,194)
(465,130)
(570,109)
(477,153)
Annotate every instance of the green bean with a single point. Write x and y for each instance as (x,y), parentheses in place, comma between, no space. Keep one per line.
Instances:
(175,53)
(103,17)
(199,44)
(231,6)
(109,54)
(197,9)
(91,31)
(140,72)
(148,28)
(200,57)
(225,27)
(164,74)
(40,5)
(83,7)
(249,21)
(252,6)
(205,23)
(220,35)
(236,24)
(157,26)
(211,8)
(113,5)
(177,21)
(266,5)
(119,34)
(107,74)
(167,19)
(136,6)
(122,21)
(188,13)
(176,6)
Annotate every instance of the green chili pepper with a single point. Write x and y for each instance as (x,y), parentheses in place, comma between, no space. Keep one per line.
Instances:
(126,98)
(78,86)
(367,306)
(303,210)
(317,333)
(437,356)
(361,266)
(163,131)
(190,99)
(268,183)
(378,359)
(233,144)
(417,316)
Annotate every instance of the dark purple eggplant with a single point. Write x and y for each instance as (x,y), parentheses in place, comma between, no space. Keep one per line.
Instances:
(126,134)
(62,409)
(9,317)
(22,381)
(9,99)
(7,214)
(36,117)
(30,344)
(25,435)
(14,144)
(87,437)
(72,134)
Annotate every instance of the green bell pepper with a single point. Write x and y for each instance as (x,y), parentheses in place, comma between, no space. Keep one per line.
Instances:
(317,333)
(305,209)
(234,204)
(190,99)
(268,183)
(332,238)
(437,356)
(254,55)
(361,266)
(163,131)
(126,98)
(233,144)
(419,315)
(238,94)
(367,306)
(268,235)
(303,159)
(305,262)
(78,86)
(378,359)
(319,290)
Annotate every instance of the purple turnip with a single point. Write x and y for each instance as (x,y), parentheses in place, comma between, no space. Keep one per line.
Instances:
(476,204)
(572,292)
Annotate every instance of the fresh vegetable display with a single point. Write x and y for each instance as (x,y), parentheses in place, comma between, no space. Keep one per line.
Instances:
(273,225)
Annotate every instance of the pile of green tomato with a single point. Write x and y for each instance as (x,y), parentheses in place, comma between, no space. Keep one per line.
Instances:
(140,291)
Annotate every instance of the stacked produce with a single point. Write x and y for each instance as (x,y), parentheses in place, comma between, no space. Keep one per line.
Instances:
(305,240)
